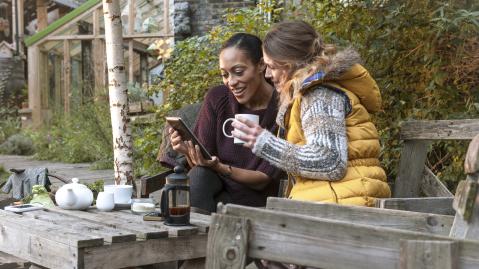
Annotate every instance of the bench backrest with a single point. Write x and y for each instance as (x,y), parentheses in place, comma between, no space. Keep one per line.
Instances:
(413,177)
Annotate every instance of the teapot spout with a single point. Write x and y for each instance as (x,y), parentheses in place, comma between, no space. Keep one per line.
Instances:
(70,197)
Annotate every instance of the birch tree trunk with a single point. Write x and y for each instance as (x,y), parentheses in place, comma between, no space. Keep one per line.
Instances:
(122,141)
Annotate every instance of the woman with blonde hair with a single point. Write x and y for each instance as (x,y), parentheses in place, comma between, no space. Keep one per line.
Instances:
(331,147)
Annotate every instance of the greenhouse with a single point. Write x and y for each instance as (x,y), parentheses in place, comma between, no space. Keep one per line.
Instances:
(67,61)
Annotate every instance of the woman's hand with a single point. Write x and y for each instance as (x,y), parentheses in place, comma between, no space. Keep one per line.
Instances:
(247,131)
(192,153)
(195,157)
(177,142)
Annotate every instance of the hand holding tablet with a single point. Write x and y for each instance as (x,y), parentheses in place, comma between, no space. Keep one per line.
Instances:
(186,134)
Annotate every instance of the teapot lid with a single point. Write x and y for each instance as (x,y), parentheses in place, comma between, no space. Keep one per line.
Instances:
(179,176)
(75,184)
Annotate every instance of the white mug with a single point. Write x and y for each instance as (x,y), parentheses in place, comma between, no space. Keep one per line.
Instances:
(105,201)
(251,117)
(121,193)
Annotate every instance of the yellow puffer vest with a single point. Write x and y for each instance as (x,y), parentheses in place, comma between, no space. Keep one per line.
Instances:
(365,180)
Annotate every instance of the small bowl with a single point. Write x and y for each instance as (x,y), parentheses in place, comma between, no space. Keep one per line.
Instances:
(142,206)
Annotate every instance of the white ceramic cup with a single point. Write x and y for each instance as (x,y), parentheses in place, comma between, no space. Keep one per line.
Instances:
(121,193)
(105,201)
(251,117)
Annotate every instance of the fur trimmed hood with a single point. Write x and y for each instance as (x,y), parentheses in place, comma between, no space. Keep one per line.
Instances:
(345,70)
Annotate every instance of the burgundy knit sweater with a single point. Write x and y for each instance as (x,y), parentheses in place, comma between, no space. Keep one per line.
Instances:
(219,105)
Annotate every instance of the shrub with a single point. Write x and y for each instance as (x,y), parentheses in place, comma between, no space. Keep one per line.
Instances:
(17,144)
(83,136)
(9,125)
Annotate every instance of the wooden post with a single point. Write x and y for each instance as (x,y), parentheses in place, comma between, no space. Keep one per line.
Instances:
(131,30)
(144,68)
(87,62)
(57,64)
(166,16)
(44,83)
(466,201)
(66,76)
(42,14)
(14,22)
(34,85)
(21,25)
(227,242)
(411,168)
(428,254)
(98,55)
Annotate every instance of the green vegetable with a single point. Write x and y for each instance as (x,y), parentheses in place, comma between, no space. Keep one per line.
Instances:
(41,196)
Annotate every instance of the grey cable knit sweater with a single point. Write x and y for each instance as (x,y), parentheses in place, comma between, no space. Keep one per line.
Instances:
(325,155)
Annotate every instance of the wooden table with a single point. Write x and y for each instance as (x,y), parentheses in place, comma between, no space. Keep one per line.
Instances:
(57,238)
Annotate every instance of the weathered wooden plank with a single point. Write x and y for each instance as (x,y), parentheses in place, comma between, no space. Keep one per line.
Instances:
(434,205)
(201,221)
(440,129)
(36,243)
(109,234)
(141,229)
(431,186)
(471,163)
(172,230)
(145,252)
(153,183)
(227,242)
(427,254)
(324,243)
(8,261)
(411,167)
(411,221)
(61,234)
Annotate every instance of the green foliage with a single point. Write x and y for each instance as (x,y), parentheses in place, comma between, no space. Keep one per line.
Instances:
(136,93)
(17,144)
(83,136)
(9,125)
(96,187)
(3,175)
(423,54)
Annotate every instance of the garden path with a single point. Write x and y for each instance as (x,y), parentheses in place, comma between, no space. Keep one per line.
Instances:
(66,170)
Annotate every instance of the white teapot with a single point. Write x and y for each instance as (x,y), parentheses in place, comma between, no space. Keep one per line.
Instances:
(74,196)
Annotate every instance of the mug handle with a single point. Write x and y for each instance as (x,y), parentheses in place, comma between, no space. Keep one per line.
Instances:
(224,125)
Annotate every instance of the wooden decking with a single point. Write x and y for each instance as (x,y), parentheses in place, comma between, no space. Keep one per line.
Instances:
(66,170)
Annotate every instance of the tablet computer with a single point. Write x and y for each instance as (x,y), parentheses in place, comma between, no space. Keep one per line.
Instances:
(186,134)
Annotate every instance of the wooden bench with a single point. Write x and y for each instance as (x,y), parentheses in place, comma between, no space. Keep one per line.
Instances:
(333,236)
(414,177)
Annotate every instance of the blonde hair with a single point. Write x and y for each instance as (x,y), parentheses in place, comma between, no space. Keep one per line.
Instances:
(297,45)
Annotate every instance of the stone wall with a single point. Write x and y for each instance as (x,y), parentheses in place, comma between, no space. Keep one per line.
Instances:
(204,14)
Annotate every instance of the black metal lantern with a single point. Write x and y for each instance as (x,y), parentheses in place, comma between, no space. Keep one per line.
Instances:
(175,198)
